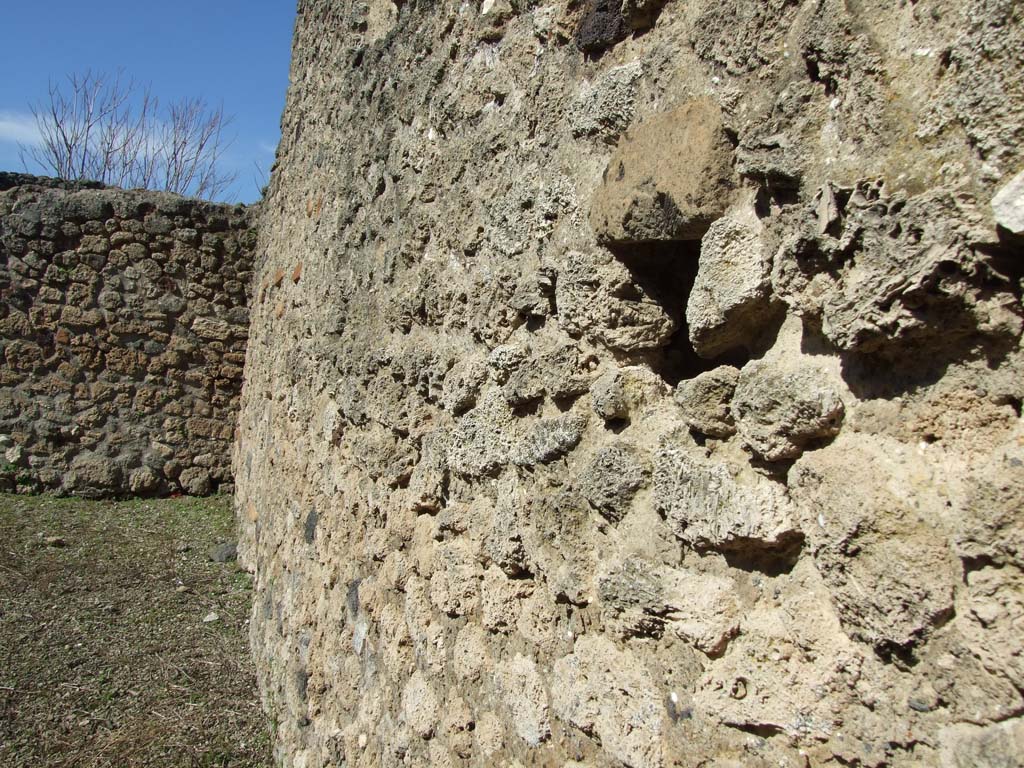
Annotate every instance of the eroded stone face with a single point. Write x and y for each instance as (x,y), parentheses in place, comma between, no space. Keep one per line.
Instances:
(730,304)
(715,461)
(668,179)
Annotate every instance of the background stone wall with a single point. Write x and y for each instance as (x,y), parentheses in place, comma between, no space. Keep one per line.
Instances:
(640,384)
(122,338)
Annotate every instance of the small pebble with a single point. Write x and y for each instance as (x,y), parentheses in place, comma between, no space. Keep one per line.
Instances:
(210,618)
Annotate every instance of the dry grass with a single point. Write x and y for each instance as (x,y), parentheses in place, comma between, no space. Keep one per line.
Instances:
(104,656)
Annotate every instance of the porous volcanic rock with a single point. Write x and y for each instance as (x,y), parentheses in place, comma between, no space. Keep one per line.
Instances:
(658,402)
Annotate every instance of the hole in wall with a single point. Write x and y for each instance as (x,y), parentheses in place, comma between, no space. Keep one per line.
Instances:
(666,271)
(773,561)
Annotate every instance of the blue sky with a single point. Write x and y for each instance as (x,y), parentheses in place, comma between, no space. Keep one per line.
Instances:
(230,52)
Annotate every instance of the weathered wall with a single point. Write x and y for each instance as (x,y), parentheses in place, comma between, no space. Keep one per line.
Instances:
(655,406)
(122,335)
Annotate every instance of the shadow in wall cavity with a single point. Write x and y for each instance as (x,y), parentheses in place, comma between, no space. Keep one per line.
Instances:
(666,271)
(771,561)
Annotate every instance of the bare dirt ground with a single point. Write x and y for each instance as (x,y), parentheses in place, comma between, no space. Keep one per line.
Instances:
(121,642)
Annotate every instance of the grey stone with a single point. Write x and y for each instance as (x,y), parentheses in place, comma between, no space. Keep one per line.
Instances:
(547,439)
(477,446)
(709,506)
(195,481)
(225,552)
(705,401)
(605,108)
(93,476)
(1008,205)
(612,477)
(462,385)
(780,412)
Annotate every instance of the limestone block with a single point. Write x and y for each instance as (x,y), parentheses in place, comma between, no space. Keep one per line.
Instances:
(712,504)
(990,611)
(471,654)
(605,108)
(729,305)
(990,526)
(195,481)
(702,609)
(420,706)
(457,724)
(640,599)
(597,297)
(462,384)
(884,274)
(669,178)
(500,599)
(1008,205)
(619,393)
(455,583)
(523,689)
(92,476)
(999,745)
(212,328)
(779,412)
(482,438)
(428,483)
(143,480)
(705,401)
(547,439)
(504,539)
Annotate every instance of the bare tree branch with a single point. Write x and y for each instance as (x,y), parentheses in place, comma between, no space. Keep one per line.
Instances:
(107,129)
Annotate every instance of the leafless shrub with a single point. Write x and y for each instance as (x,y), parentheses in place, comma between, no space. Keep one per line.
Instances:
(105,128)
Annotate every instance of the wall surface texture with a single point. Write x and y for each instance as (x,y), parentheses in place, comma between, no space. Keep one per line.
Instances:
(640,384)
(122,338)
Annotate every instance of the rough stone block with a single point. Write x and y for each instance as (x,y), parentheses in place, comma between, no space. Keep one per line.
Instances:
(1008,205)
(669,178)
(612,477)
(710,504)
(730,304)
(705,401)
(779,413)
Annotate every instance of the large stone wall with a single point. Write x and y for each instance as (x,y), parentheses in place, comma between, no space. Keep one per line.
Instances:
(122,337)
(640,385)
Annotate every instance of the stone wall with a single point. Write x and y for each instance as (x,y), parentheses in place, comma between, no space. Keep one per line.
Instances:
(122,335)
(640,384)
